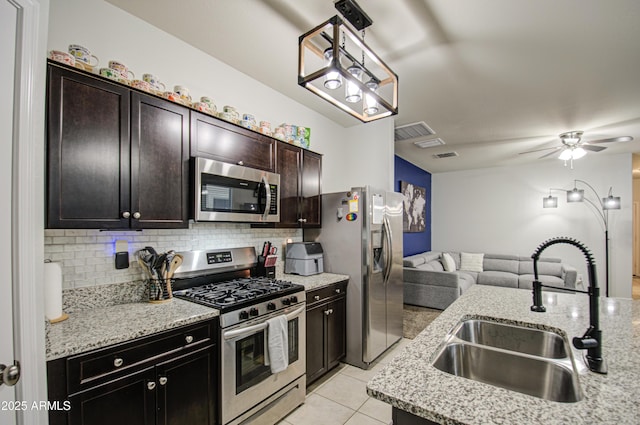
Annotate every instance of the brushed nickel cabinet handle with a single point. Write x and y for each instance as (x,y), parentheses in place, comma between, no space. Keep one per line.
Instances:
(117,362)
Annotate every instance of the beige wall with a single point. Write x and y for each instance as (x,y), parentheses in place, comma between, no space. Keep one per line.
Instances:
(499,210)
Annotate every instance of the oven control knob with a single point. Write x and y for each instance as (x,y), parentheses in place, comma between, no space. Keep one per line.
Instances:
(244,315)
(286,301)
(271,306)
(253,312)
(294,299)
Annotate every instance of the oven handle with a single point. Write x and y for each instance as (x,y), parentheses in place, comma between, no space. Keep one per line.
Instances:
(260,326)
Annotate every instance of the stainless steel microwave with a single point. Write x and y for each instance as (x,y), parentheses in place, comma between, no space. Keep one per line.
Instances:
(229,192)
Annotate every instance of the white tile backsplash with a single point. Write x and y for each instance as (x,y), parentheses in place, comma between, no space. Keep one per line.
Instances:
(87,256)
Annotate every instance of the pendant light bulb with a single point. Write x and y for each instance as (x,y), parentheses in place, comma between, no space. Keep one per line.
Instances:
(370,105)
(333,80)
(353,93)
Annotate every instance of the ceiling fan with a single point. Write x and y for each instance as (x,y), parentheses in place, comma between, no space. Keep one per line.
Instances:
(573,147)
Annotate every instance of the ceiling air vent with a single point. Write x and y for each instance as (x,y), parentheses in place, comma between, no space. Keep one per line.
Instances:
(412,131)
(445,155)
(429,143)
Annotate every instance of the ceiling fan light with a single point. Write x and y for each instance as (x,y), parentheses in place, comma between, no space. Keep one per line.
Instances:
(565,155)
(611,203)
(578,153)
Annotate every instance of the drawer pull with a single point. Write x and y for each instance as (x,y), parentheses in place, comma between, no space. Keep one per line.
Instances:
(317,297)
(163,380)
(117,362)
(151,385)
(189,339)
(338,291)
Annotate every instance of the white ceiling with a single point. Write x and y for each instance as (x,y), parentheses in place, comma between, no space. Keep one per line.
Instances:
(492,78)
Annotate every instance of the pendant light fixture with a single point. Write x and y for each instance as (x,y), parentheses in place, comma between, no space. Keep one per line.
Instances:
(333,55)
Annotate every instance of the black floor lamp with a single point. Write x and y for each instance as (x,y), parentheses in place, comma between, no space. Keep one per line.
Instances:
(601,206)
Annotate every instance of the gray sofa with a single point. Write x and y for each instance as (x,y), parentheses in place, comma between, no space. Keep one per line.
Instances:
(427,284)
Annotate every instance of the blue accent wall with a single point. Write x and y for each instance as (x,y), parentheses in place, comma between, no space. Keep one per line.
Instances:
(414,243)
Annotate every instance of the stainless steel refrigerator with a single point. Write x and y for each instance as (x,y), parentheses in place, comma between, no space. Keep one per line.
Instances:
(361,236)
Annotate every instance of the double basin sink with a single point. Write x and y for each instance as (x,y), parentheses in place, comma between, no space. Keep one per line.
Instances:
(527,360)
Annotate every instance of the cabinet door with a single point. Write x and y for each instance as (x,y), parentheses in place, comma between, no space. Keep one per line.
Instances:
(288,166)
(159,163)
(217,139)
(187,389)
(311,189)
(87,140)
(316,356)
(129,400)
(336,335)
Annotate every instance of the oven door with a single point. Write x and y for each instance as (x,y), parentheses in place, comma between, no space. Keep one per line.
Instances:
(246,379)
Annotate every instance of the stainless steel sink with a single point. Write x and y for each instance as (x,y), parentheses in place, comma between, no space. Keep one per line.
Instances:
(536,342)
(512,357)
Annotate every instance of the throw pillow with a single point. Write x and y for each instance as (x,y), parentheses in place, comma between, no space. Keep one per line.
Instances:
(448,263)
(471,262)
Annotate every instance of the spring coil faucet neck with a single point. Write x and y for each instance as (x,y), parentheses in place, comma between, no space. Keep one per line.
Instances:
(592,338)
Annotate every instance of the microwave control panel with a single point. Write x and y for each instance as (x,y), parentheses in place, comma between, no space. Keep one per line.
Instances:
(273,208)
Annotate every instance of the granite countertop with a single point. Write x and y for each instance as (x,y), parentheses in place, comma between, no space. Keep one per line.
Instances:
(103,326)
(314,281)
(96,324)
(410,383)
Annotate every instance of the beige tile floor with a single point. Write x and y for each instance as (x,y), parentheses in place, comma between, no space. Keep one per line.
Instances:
(340,398)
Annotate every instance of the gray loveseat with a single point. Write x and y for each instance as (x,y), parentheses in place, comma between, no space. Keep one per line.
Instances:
(427,284)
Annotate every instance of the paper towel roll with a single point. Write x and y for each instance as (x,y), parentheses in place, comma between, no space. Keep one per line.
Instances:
(52,291)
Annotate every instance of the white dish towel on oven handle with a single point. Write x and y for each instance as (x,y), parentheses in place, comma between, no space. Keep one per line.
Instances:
(277,344)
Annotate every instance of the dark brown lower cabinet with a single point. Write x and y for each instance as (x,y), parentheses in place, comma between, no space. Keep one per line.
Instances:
(165,379)
(326,329)
(124,401)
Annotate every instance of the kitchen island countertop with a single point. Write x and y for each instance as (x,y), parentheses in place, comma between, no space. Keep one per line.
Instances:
(410,383)
(100,327)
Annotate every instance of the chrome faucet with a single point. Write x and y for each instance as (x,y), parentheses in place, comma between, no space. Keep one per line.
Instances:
(592,338)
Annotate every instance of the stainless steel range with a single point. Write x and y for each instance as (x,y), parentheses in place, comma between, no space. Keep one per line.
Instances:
(221,279)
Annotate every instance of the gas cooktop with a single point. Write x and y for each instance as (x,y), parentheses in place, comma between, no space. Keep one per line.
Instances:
(238,293)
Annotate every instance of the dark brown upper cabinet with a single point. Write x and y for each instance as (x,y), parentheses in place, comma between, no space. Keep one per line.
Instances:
(216,139)
(300,186)
(116,158)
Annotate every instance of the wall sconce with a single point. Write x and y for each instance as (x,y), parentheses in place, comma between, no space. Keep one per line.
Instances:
(332,55)
(601,205)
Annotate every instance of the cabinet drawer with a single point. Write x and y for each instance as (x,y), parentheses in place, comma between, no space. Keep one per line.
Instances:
(91,368)
(327,292)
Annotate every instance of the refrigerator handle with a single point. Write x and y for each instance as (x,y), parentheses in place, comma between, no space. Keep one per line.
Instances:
(386,229)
